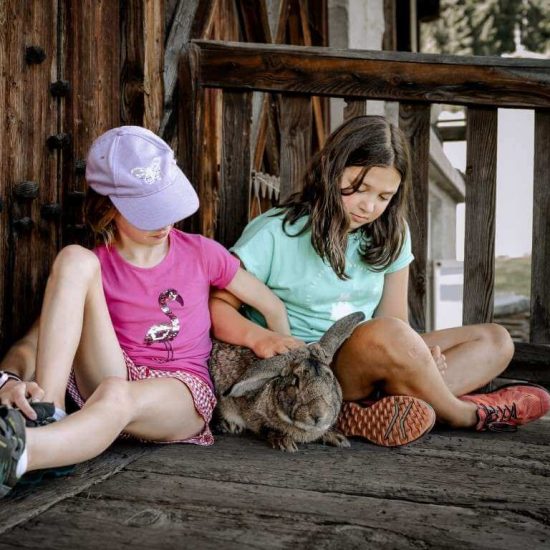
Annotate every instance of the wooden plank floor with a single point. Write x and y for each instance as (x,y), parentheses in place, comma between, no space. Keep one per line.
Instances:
(453,489)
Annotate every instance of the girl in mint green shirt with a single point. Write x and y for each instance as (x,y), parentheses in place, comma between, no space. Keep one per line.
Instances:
(341,244)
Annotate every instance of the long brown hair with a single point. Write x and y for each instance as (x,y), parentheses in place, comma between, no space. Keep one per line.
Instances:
(100,213)
(365,141)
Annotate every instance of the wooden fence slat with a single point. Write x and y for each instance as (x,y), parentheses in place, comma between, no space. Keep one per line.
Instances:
(479,247)
(540,267)
(392,76)
(355,107)
(235,167)
(296,128)
(414,120)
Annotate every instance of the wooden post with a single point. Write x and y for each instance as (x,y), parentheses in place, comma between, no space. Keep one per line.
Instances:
(414,120)
(235,167)
(540,267)
(479,247)
(355,107)
(295,125)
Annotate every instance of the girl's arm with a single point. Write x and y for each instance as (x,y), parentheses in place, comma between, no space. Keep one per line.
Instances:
(21,360)
(232,327)
(394,302)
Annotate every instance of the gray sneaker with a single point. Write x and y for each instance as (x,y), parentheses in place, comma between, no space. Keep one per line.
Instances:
(12,445)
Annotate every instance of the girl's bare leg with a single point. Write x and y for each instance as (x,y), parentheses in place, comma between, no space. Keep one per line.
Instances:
(389,353)
(475,354)
(75,326)
(159,409)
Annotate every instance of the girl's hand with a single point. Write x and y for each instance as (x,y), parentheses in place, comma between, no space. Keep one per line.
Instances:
(18,394)
(439,358)
(272,343)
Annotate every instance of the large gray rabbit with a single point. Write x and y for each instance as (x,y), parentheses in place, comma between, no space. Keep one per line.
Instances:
(289,399)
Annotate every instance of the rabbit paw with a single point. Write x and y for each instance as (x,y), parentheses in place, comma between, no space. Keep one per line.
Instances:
(228,427)
(282,442)
(335,438)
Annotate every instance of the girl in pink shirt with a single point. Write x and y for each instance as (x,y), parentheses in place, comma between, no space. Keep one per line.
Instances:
(125,327)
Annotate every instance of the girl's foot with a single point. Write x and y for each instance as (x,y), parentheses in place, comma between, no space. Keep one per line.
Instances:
(392,421)
(12,447)
(507,407)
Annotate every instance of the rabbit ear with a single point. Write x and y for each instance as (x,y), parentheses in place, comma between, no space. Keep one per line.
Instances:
(338,333)
(257,375)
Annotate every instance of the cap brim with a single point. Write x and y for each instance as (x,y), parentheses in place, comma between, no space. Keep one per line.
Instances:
(165,207)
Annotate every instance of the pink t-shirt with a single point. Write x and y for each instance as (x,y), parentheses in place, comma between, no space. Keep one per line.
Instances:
(160,314)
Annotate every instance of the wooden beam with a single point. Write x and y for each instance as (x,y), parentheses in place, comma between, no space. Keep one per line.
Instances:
(390,76)
(414,120)
(540,267)
(479,248)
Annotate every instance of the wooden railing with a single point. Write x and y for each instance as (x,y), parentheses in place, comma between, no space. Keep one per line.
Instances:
(295,74)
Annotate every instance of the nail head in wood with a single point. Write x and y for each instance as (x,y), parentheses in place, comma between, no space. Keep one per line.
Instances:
(27,190)
(60,88)
(23,224)
(80,167)
(58,141)
(51,211)
(34,55)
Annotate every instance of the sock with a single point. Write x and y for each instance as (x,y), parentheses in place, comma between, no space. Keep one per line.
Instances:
(59,414)
(22,464)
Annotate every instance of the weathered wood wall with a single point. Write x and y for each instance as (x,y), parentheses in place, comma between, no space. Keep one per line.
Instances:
(72,69)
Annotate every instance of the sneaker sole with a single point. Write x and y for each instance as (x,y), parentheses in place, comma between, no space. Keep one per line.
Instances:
(391,422)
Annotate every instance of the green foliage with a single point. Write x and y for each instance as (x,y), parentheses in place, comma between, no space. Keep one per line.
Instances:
(513,275)
(473,27)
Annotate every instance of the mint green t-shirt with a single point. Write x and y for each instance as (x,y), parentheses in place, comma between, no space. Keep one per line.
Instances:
(313,294)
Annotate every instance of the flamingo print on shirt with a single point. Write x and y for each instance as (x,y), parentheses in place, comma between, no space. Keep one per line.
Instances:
(165,333)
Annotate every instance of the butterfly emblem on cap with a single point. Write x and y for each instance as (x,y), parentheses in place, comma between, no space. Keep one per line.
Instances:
(149,174)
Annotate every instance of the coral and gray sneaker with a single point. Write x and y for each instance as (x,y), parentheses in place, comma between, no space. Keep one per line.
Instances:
(392,421)
(12,445)
(510,406)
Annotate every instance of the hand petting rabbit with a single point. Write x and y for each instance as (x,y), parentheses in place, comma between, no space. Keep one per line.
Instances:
(290,398)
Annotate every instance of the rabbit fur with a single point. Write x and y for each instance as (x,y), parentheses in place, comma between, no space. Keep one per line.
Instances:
(288,399)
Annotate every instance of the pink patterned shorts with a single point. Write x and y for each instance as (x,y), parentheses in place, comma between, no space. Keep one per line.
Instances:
(203,397)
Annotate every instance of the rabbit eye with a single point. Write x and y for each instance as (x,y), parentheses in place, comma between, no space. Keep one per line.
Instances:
(295,381)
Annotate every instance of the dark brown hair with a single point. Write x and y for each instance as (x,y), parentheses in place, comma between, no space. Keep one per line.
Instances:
(365,141)
(100,213)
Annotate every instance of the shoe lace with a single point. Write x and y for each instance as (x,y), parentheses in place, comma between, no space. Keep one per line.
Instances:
(500,418)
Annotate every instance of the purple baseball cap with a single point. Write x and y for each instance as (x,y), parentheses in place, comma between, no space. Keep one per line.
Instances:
(137,170)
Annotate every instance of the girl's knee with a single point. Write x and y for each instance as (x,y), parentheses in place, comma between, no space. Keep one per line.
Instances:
(395,344)
(114,392)
(76,260)
(499,340)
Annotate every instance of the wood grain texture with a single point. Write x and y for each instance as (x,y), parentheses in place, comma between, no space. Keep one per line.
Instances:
(414,120)
(296,128)
(94,105)
(468,490)
(235,167)
(377,75)
(540,266)
(479,247)
(142,37)
(28,241)
(355,107)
